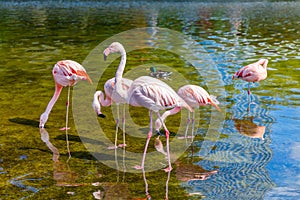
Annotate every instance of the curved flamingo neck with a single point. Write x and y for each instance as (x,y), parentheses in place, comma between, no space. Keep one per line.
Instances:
(99,99)
(53,100)
(120,71)
(119,75)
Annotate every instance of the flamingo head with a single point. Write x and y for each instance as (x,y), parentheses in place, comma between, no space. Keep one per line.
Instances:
(96,107)
(96,104)
(43,120)
(113,48)
(263,62)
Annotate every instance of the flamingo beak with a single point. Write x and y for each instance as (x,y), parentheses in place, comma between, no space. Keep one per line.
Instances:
(101,115)
(106,52)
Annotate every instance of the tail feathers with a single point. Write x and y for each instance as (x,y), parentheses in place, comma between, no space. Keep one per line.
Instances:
(214,102)
(85,75)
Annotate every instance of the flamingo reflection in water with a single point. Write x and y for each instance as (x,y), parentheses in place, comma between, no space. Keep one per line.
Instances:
(195,96)
(67,178)
(186,171)
(148,92)
(253,72)
(61,171)
(249,128)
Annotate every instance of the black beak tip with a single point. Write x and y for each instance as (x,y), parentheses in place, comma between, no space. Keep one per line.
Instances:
(104,56)
(101,115)
(158,133)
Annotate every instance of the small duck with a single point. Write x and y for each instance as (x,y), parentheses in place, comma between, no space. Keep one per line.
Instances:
(159,73)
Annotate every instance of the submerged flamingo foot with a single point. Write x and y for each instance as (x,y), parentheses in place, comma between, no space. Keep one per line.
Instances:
(168,169)
(138,167)
(64,128)
(112,147)
(122,145)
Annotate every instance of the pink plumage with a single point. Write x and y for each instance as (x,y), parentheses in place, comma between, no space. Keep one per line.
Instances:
(254,72)
(109,86)
(65,73)
(148,92)
(196,96)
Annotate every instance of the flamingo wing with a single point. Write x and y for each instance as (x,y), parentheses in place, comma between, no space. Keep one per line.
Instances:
(196,96)
(154,94)
(68,72)
(253,72)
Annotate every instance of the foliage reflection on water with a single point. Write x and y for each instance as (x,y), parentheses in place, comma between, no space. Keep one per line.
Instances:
(34,35)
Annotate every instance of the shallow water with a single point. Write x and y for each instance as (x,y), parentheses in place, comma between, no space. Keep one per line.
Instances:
(222,37)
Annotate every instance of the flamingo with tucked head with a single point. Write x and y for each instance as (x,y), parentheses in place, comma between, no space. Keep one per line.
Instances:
(253,72)
(195,96)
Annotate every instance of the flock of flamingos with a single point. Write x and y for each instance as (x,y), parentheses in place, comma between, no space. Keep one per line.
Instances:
(145,91)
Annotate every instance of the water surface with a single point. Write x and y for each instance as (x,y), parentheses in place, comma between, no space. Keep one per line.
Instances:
(35,35)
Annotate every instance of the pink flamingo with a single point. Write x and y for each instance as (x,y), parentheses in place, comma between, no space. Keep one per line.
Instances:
(147,92)
(100,101)
(65,73)
(109,88)
(254,72)
(195,96)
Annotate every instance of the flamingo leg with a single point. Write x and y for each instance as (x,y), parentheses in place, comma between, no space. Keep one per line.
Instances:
(117,163)
(249,88)
(123,127)
(116,132)
(168,145)
(146,183)
(147,143)
(124,164)
(124,144)
(249,97)
(67,120)
(193,125)
(187,124)
(167,185)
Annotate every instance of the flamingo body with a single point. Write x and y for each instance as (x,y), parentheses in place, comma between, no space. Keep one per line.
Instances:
(109,86)
(99,100)
(65,73)
(195,96)
(254,72)
(148,92)
(68,73)
(154,94)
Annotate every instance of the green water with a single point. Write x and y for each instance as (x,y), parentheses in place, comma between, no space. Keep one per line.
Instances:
(35,35)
